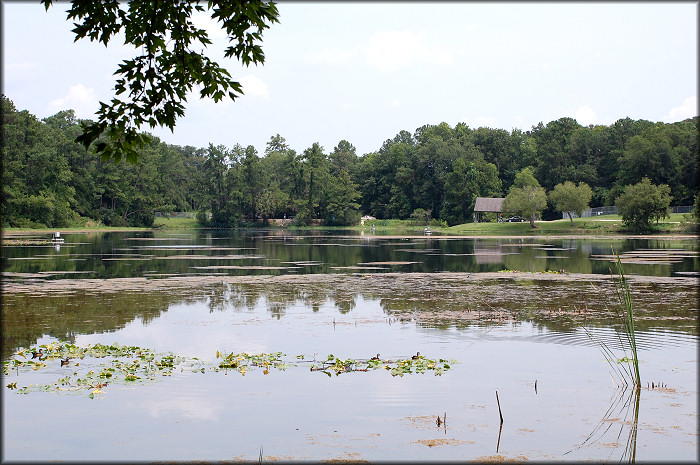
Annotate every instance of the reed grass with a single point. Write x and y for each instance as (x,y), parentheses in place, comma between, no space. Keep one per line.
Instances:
(627,366)
(626,315)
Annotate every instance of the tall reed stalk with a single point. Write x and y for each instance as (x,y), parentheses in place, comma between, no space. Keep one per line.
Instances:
(626,315)
(627,366)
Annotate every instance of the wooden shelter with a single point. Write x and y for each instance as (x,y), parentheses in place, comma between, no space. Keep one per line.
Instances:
(487,204)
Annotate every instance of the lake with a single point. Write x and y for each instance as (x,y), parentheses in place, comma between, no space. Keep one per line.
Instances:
(232,346)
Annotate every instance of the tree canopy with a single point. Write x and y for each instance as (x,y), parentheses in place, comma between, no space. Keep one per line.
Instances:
(570,198)
(435,173)
(641,203)
(153,87)
(526,197)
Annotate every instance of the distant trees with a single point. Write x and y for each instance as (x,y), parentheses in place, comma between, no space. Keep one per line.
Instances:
(50,180)
(342,193)
(36,182)
(244,188)
(526,197)
(641,203)
(570,198)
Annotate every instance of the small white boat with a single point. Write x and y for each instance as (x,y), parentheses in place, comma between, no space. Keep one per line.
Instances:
(56,238)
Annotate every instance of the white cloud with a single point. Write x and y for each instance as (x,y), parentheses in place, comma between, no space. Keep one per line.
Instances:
(253,85)
(80,98)
(688,109)
(395,103)
(330,56)
(392,50)
(585,116)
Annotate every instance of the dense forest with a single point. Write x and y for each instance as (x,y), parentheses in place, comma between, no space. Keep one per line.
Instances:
(50,180)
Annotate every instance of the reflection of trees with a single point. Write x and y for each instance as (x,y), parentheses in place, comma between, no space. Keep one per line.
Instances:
(278,298)
(117,254)
(25,318)
(225,296)
(432,300)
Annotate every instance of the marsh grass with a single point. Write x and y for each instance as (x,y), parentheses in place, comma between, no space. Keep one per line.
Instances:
(627,368)
(627,365)
(626,315)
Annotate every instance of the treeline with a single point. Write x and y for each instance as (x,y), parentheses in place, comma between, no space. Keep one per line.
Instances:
(50,180)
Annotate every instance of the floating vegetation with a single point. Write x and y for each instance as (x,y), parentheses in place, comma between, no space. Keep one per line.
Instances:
(243,267)
(389,263)
(105,365)
(127,365)
(649,256)
(397,367)
(9,242)
(533,272)
(243,362)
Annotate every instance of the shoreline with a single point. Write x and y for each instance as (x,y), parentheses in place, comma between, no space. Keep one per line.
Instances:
(436,234)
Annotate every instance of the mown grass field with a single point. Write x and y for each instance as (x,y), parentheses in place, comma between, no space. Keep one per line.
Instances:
(607,224)
(678,223)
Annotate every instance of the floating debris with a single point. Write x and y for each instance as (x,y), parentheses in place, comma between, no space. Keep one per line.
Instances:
(130,365)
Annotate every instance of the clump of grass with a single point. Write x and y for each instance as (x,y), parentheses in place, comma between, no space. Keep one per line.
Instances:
(627,365)
(626,315)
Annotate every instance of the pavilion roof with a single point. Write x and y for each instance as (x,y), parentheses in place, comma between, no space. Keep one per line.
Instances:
(488,204)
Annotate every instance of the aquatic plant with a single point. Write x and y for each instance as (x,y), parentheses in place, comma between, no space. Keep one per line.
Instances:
(627,365)
(626,315)
(397,367)
(131,365)
(242,362)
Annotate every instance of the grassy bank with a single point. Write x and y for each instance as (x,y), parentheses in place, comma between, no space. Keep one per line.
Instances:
(159,223)
(678,223)
(608,224)
(176,223)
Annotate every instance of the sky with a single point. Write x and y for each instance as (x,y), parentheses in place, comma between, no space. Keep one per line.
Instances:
(364,71)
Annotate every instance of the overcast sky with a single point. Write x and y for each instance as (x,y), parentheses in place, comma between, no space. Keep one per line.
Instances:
(363,71)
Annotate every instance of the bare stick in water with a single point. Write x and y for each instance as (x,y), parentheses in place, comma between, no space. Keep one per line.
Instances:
(499,407)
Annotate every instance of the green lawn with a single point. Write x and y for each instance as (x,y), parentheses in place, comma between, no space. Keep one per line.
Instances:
(176,223)
(678,223)
(606,224)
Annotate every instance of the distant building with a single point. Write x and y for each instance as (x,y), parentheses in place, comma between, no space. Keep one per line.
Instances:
(487,204)
(366,218)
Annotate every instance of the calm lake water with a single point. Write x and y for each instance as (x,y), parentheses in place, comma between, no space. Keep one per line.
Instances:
(310,296)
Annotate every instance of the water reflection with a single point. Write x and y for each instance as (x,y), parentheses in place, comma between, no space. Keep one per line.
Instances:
(297,415)
(623,412)
(108,255)
(316,294)
(556,309)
